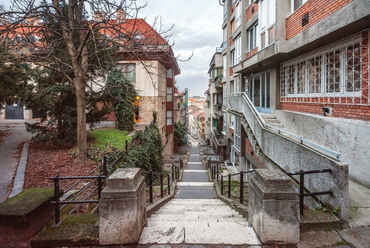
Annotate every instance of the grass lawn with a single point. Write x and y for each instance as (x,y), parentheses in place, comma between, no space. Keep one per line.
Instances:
(114,137)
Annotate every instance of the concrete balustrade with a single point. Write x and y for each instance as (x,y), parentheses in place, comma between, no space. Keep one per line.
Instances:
(273,207)
(122,208)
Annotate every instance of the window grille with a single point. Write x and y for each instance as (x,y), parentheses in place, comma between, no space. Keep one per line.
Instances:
(335,74)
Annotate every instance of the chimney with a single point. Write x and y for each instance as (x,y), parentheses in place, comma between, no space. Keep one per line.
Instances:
(99,16)
(121,15)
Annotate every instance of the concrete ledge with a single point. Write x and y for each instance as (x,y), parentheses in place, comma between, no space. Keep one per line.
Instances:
(23,215)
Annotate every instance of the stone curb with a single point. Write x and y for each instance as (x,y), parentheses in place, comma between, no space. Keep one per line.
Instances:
(21,171)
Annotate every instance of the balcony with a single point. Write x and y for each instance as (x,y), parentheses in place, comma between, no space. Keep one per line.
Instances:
(218,82)
(219,138)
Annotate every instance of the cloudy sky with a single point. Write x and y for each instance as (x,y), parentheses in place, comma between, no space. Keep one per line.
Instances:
(197,27)
(197,30)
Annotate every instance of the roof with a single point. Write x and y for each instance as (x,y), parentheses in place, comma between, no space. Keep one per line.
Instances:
(137,36)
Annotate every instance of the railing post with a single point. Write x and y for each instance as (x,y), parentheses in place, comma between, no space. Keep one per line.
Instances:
(151,187)
(222,185)
(168,184)
(181,164)
(229,187)
(301,187)
(105,172)
(99,186)
(126,142)
(241,187)
(212,173)
(172,174)
(217,172)
(56,195)
(177,172)
(161,185)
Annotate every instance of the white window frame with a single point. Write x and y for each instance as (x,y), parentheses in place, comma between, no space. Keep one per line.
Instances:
(232,121)
(169,115)
(292,5)
(267,20)
(238,15)
(238,50)
(224,65)
(237,133)
(323,53)
(252,36)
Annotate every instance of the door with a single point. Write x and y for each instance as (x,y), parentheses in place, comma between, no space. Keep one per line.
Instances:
(14,111)
(261,92)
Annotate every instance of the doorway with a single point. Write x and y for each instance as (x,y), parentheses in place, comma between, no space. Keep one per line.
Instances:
(261,92)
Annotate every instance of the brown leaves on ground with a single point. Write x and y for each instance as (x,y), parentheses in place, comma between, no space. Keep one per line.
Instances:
(46,161)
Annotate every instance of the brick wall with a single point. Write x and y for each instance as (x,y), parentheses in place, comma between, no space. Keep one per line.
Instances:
(249,14)
(251,53)
(359,112)
(318,10)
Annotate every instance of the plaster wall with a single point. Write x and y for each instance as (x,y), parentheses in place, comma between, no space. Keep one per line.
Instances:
(348,137)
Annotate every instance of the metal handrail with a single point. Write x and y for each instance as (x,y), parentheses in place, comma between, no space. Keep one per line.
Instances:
(264,125)
(241,184)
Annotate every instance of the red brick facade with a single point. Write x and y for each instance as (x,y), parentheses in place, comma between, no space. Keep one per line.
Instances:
(249,14)
(318,10)
(341,111)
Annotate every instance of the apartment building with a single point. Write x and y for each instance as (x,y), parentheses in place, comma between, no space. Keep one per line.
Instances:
(298,68)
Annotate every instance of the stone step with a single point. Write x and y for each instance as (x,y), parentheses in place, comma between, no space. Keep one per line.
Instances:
(192,202)
(196,207)
(194,184)
(267,116)
(199,235)
(232,225)
(272,121)
(195,218)
(210,212)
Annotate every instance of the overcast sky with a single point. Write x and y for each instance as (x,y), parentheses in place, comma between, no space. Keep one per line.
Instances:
(197,27)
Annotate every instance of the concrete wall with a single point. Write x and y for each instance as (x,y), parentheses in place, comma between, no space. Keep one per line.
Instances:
(291,156)
(348,137)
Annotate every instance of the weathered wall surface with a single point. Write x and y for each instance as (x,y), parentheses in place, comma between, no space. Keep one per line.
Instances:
(350,138)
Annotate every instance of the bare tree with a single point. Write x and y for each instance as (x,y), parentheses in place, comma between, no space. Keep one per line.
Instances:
(80,39)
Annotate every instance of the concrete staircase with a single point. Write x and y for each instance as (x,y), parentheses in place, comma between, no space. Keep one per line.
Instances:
(197,221)
(272,120)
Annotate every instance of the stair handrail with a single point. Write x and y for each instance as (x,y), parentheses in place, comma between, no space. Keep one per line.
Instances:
(264,125)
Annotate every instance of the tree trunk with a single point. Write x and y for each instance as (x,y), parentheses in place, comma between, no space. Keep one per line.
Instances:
(81,119)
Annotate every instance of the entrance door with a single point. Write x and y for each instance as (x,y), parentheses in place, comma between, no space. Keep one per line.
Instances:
(14,111)
(261,95)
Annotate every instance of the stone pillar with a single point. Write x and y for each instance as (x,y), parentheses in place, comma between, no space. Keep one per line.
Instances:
(273,207)
(122,208)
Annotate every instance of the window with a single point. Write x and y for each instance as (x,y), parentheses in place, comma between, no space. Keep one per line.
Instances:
(169,94)
(224,123)
(232,57)
(328,73)
(224,37)
(252,37)
(297,3)
(314,74)
(225,11)
(238,50)
(238,15)
(232,121)
(237,135)
(267,17)
(233,26)
(169,117)
(232,88)
(224,94)
(353,68)
(129,71)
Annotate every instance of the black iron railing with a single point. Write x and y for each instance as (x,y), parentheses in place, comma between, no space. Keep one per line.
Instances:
(94,180)
(241,184)
(301,194)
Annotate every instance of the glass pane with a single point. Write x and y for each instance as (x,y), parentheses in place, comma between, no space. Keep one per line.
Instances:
(314,74)
(301,72)
(353,68)
(333,71)
(271,35)
(256,91)
(169,121)
(263,40)
(263,91)
(268,90)
(290,79)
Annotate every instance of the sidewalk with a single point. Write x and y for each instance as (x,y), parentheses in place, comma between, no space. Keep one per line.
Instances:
(9,155)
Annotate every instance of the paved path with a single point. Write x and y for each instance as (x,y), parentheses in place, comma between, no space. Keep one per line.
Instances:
(9,157)
(196,216)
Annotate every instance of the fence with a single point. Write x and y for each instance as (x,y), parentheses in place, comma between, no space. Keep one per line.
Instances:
(94,180)
(301,194)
